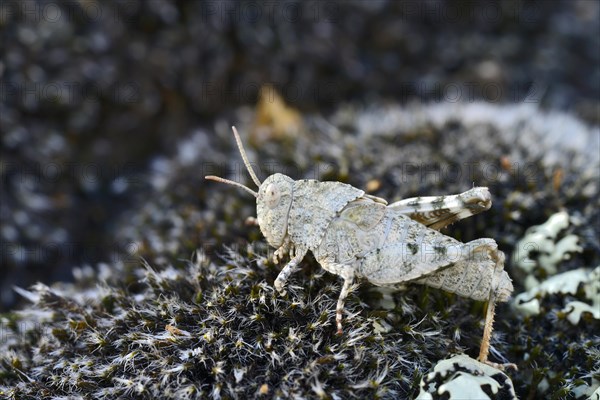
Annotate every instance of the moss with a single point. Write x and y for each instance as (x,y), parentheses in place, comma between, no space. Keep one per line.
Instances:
(240,331)
(213,326)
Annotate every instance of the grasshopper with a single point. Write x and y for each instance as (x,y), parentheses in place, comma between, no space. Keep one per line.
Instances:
(356,235)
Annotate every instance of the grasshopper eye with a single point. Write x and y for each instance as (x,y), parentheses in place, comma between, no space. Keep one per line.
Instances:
(272,196)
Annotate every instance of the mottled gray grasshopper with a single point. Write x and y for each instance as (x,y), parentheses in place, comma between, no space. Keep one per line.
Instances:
(356,235)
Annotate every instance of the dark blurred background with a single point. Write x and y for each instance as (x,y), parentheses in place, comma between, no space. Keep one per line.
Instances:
(91,92)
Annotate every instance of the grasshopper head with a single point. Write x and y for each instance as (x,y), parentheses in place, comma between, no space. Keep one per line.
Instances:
(273,200)
(273,205)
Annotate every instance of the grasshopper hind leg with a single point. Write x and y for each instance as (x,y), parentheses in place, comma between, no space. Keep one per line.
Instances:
(477,273)
(501,289)
(339,311)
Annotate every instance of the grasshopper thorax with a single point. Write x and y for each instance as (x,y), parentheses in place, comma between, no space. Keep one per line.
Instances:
(273,205)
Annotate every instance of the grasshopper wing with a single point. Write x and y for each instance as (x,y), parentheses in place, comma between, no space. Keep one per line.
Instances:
(439,212)
(384,245)
(409,251)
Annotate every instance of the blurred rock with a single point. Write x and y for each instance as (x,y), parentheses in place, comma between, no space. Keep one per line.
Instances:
(92,92)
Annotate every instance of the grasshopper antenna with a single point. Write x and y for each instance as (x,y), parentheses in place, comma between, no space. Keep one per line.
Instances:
(248,167)
(227,181)
(244,156)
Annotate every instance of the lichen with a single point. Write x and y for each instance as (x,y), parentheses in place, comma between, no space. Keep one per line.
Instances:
(461,377)
(569,282)
(544,247)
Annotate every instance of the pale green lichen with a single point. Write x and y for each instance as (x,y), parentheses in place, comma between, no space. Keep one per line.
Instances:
(542,248)
(596,394)
(462,377)
(528,303)
(550,249)
(574,309)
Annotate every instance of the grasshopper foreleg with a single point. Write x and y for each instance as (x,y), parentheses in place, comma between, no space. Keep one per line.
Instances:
(282,251)
(288,270)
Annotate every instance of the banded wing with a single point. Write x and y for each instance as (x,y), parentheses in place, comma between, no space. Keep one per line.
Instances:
(437,212)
